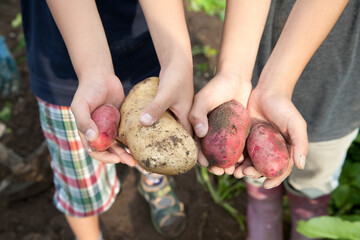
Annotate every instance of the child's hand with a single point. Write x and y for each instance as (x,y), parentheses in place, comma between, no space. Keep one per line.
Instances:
(277,108)
(97,90)
(175,92)
(222,88)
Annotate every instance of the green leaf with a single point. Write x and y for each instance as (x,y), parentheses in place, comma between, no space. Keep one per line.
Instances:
(17,21)
(351,218)
(357,139)
(329,227)
(5,113)
(341,195)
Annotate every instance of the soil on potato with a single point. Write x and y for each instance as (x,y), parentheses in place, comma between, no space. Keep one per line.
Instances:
(35,216)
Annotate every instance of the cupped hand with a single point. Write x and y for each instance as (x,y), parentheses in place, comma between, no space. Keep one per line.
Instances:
(93,91)
(276,107)
(222,88)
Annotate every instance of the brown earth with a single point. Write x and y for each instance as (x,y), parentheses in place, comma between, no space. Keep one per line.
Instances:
(32,216)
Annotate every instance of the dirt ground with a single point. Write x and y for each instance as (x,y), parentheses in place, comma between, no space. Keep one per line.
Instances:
(34,217)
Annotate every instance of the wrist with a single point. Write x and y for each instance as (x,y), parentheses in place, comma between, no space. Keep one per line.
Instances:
(277,81)
(91,70)
(179,63)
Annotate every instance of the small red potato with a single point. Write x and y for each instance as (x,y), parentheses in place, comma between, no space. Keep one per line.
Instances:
(106,118)
(267,150)
(229,126)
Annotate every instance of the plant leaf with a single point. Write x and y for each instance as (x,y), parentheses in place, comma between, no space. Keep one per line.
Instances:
(341,195)
(329,227)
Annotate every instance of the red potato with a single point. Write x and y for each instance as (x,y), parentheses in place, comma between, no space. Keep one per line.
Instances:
(267,150)
(106,118)
(229,126)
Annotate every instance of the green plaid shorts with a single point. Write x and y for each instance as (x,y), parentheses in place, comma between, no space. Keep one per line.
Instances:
(83,186)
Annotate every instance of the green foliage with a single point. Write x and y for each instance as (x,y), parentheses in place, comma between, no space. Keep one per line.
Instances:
(201,68)
(209,7)
(345,204)
(330,228)
(5,113)
(346,197)
(206,50)
(227,187)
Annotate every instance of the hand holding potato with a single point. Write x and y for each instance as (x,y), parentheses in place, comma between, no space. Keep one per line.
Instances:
(165,147)
(224,87)
(175,93)
(98,89)
(277,109)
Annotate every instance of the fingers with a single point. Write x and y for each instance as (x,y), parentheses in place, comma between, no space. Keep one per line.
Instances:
(123,155)
(271,183)
(299,141)
(154,110)
(216,170)
(239,171)
(198,116)
(115,154)
(201,158)
(84,123)
(229,170)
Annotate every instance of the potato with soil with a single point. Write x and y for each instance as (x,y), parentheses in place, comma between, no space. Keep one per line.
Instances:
(106,118)
(163,148)
(267,150)
(229,126)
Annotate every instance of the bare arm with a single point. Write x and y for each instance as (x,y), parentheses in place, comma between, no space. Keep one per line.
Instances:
(167,25)
(243,28)
(81,28)
(307,26)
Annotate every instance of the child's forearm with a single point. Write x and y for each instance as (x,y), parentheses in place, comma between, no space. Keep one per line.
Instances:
(307,26)
(243,28)
(81,28)
(167,25)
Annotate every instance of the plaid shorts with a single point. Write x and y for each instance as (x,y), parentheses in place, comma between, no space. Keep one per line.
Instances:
(83,186)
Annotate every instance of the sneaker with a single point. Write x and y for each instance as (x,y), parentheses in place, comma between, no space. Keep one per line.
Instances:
(167,212)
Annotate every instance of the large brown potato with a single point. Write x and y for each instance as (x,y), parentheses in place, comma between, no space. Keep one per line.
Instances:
(163,148)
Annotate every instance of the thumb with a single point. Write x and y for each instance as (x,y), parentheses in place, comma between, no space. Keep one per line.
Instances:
(198,116)
(84,123)
(154,110)
(299,141)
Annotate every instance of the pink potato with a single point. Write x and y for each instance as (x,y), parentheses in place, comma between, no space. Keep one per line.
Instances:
(267,150)
(106,118)
(229,126)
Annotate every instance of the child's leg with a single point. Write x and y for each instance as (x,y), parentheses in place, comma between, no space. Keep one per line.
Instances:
(264,211)
(309,189)
(85,227)
(84,188)
(167,211)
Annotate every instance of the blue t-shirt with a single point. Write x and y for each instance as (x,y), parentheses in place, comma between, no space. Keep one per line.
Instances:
(52,76)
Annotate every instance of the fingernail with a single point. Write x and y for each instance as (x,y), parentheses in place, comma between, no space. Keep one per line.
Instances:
(146,119)
(267,185)
(90,135)
(302,161)
(200,130)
